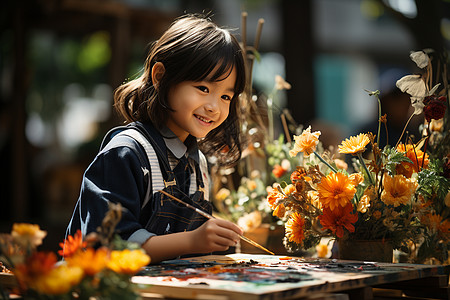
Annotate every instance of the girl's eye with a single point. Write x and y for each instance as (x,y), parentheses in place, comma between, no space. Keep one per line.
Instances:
(226,97)
(203,88)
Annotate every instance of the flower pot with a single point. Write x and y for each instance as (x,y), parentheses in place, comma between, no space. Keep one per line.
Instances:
(366,250)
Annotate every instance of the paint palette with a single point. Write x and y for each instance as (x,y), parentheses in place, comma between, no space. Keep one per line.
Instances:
(243,270)
(252,276)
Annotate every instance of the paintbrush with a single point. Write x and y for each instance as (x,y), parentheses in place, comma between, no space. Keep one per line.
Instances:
(206,215)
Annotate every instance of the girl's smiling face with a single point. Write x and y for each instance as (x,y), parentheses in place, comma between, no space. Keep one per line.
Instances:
(199,107)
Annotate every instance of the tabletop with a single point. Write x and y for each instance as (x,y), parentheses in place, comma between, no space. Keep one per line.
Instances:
(255,276)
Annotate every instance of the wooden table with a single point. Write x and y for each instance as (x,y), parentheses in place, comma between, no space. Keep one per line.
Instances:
(281,277)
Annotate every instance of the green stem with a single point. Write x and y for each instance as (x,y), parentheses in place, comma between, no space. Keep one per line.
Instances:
(365,168)
(404,128)
(327,164)
(379,118)
(270,117)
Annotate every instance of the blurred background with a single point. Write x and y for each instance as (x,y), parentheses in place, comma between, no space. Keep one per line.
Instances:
(60,61)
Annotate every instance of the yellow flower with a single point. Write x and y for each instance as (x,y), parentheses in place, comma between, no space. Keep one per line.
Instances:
(356,178)
(90,261)
(364,202)
(289,189)
(294,228)
(355,144)
(28,234)
(397,190)
(222,194)
(251,185)
(306,142)
(279,211)
(313,198)
(336,190)
(323,251)
(60,280)
(128,261)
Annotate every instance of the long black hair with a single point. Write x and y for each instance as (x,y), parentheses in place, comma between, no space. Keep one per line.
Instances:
(192,49)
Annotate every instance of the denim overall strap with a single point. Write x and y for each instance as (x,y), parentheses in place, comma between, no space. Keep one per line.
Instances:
(163,215)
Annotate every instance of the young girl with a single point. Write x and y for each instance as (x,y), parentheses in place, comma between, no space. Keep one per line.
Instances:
(189,90)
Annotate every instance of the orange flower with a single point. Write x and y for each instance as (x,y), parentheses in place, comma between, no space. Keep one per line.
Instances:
(28,235)
(278,171)
(436,224)
(364,202)
(336,190)
(323,250)
(279,211)
(416,156)
(91,261)
(289,189)
(377,214)
(128,261)
(38,264)
(306,142)
(340,164)
(72,244)
(338,219)
(356,178)
(59,281)
(273,197)
(397,190)
(298,174)
(294,228)
(355,144)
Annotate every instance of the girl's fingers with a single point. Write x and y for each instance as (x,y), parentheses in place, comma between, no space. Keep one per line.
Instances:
(229,225)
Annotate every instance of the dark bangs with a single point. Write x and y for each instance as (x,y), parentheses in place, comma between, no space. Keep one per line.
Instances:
(211,57)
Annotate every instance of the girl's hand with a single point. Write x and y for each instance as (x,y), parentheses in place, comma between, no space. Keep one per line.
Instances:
(215,235)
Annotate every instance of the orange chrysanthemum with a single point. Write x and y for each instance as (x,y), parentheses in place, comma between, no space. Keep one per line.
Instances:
(91,261)
(279,211)
(294,228)
(336,190)
(272,198)
(416,156)
(278,171)
(436,224)
(306,142)
(72,244)
(397,190)
(298,174)
(338,219)
(38,264)
(354,145)
(28,235)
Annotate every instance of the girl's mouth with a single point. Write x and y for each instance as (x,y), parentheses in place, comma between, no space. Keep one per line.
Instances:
(203,119)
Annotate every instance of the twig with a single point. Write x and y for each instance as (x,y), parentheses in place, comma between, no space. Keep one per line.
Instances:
(285,128)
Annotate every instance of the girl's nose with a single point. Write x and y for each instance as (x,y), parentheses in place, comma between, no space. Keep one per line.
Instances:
(212,105)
